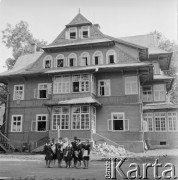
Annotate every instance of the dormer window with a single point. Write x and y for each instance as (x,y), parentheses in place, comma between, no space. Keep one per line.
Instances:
(47,62)
(111,57)
(97,58)
(156,67)
(85,32)
(73,33)
(72,60)
(60,60)
(85,59)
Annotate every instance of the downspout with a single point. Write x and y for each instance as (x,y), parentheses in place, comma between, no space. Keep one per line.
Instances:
(7,113)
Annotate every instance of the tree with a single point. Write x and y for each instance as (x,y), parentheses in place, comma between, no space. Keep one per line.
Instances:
(19,39)
(170,46)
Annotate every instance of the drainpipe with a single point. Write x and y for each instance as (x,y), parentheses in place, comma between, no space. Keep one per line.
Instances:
(7,115)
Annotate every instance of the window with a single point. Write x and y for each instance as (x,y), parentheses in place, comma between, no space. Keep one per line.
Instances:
(81,117)
(104,87)
(160,121)
(81,83)
(172,121)
(47,62)
(72,60)
(97,58)
(73,33)
(159,92)
(131,85)
(42,91)
(60,118)
(85,32)
(18,92)
(147,94)
(61,84)
(60,60)
(118,122)
(110,57)
(85,59)
(16,125)
(156,68)
(148,117)
(41,122)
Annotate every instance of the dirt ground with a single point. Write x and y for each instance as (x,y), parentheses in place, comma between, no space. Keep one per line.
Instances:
(25,165)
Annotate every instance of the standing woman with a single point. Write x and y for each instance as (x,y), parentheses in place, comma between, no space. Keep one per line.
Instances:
(86,153)
(53,147)
(59,152)
(80,153)
(48,153)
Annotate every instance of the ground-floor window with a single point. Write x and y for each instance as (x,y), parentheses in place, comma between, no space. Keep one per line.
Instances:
(81,117)
(148,118)
(60,118)
(172,121)
(41,122)
(160,121)
(118,122)
(16,125)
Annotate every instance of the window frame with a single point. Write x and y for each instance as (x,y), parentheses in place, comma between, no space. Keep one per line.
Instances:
(160,91)
(147,95)
(100,60)
(147,116)
(156,68)
(12,121)
(82,56)
(59,57)
(72,56)
(80,83)
(168,121)
(105,80)
(160,122)
(83,29)
(38,94)
(46,115)
(55,114)
(62,84)
(109,53)
(80,115)
(46,59)
(72,30)
(23,92)
(137,86)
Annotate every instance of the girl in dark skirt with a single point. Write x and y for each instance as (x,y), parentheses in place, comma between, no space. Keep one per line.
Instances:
(48,152)
(79,152)
(53,147)
(59,152)
(68,155)
(86,153)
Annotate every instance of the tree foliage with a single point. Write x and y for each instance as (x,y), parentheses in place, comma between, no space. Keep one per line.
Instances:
(19,38)
(170,46)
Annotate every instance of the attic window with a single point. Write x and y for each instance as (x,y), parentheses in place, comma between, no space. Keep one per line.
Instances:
(47,62)
(85,32)
(111,57)
(73,33)
(72,60)
(60,60)
(85,59)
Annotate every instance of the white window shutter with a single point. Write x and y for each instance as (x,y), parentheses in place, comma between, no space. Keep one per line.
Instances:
(67,34)
(49,88)
(107,88)
(101,59)
(80,33)
(80,61)
(115,57)
(126,125)
(55,62)
(109,125)
(35,93)
(33,126)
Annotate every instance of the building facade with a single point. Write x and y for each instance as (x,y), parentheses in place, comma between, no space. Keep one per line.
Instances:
(93,86)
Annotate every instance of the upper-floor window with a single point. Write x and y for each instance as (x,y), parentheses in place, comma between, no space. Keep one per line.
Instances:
(147,93)
(18,92)
(72,60)
(131,85)
(61,84)
(111,56)
(85,59)
(80,83)
(84,32)
(172,121)
(16,124)
(159,92)
(41,122)
(97,58)
(60,60)
(43,91)
(156,67)
(73,33)
(47,62)
(104,88)
(118,122)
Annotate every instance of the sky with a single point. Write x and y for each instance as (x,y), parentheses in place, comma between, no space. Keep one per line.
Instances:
(117,18)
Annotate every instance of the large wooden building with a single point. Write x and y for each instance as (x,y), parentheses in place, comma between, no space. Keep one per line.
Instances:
(92,86)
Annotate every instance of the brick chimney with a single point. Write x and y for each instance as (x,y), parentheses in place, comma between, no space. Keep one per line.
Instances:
(33,47)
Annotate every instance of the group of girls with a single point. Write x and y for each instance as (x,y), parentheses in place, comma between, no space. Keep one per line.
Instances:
(68,151)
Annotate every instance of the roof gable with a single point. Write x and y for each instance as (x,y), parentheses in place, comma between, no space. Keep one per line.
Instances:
(79,19)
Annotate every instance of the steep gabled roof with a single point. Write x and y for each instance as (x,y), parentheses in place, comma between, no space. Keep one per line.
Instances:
(79,19)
